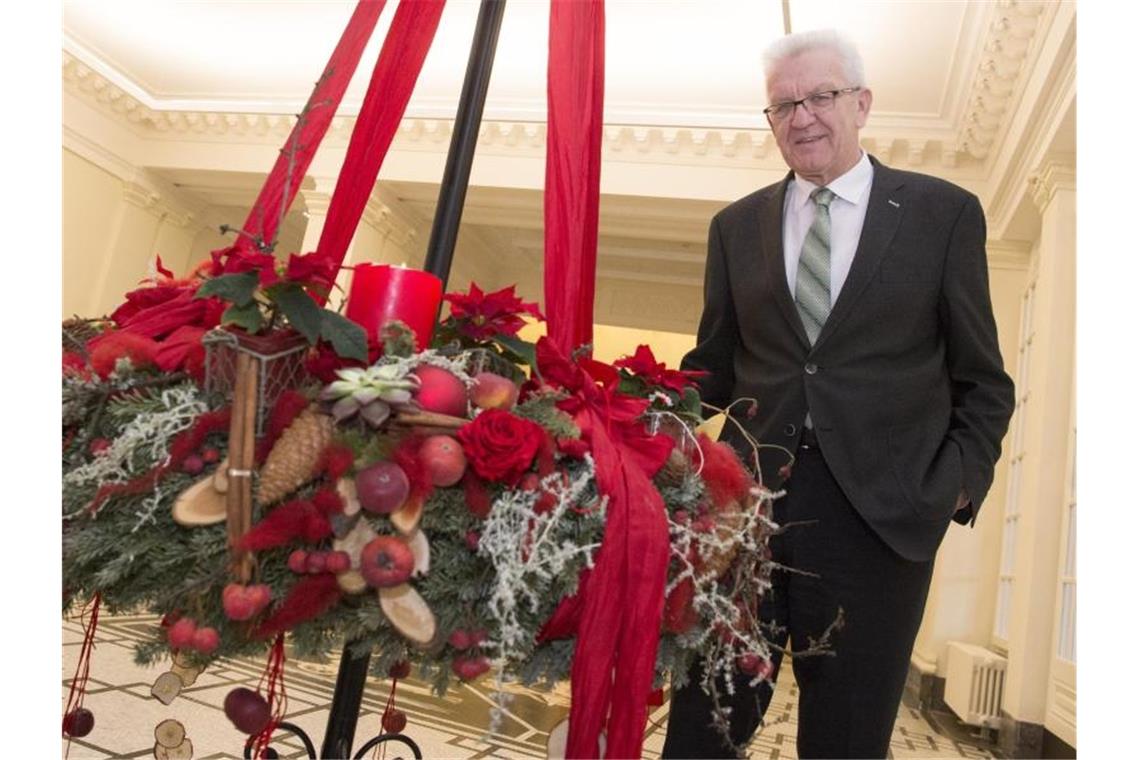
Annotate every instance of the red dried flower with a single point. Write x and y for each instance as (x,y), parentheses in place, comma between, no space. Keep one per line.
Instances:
(109,347)
(482,316)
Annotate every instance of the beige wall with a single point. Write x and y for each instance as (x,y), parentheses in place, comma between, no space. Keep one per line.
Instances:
(92,206)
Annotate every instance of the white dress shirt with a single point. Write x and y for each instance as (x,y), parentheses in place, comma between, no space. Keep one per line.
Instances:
(848,209)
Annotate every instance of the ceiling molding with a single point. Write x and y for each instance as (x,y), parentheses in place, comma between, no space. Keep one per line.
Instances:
(1009,39)
(916,142)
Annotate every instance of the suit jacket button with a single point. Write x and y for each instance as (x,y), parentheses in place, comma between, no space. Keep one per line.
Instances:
(811,368)
(789,429)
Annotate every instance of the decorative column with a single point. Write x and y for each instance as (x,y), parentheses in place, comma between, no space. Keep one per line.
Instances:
(1041,492)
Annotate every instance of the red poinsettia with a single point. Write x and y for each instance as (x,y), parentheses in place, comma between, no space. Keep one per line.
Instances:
(313,270)
(644,364)
(238,258)
(481,316)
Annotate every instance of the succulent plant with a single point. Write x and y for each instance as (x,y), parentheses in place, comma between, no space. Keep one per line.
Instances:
(372,392)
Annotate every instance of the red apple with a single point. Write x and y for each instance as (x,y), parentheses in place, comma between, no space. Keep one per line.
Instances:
(382,488)
(386,561)
(443,457)
(181,634)
(440,391)
(247,710)
(493,391)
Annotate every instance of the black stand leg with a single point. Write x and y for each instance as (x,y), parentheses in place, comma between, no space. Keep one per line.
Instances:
(345,708)
(457,171)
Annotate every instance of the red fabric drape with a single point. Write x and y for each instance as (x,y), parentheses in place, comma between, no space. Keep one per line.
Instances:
(393,79)
(574,94)
(307,134)
(619,606)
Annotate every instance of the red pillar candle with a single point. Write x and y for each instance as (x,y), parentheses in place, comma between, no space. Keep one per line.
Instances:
(382,293)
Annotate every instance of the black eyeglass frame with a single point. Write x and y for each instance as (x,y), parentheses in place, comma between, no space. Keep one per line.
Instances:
(804,101)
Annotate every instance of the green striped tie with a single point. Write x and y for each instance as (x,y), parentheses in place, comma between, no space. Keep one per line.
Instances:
(813,276)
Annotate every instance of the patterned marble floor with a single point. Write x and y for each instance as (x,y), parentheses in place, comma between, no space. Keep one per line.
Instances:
(119,694)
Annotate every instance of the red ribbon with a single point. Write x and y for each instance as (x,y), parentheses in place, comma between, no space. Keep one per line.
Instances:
(307,133)
(393,80)
(620,604)
(273,678)
(574,95)
(83,668)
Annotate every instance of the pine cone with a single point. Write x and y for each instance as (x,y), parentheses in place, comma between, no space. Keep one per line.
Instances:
(291,462)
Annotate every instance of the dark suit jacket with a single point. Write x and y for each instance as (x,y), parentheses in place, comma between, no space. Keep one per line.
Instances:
(905,382)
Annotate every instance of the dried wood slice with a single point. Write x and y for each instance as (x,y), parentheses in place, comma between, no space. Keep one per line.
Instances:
(166,687)
(421,550)
(407,518)
(408,613)
(184,751)
(346,487)
(200,504)
(169,733)
(186,673)
(222,476)
(352,582)
(556,743)
(354,542)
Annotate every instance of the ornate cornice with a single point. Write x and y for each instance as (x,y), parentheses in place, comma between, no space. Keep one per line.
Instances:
(893,139)
(1011,35)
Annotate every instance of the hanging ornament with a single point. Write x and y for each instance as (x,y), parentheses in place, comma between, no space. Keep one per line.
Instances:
(78,721)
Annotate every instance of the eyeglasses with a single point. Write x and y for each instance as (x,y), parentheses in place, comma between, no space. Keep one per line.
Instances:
(815,103)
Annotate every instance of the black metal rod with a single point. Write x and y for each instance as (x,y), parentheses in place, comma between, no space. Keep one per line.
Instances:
(457,172)
(345,709)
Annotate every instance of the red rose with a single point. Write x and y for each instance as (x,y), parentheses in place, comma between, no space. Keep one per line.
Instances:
(499,446)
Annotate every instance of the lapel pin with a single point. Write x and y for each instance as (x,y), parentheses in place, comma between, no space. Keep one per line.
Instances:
(893,203)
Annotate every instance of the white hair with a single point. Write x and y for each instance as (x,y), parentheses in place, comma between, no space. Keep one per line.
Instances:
(792,45)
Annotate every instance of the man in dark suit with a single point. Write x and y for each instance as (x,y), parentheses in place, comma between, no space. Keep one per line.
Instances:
(852,302)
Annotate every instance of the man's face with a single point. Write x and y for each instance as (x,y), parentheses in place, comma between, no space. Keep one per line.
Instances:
(824,145)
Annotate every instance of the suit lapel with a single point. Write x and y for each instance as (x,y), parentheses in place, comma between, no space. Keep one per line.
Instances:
(884,211)
(772,250)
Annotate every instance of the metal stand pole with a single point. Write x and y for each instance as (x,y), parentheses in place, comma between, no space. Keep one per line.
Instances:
(350,678)
(457,172)
(345,709)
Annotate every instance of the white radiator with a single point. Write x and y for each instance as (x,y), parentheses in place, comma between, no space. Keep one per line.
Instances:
(975,678)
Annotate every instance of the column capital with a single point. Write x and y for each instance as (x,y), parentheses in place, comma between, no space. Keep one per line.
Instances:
(316,201)
(1055,173)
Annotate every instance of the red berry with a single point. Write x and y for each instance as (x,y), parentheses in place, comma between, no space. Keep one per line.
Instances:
(181,634)
(401,669)
(338,562)
(206,640)
(468,668)
(460,639)
(78,722)
(236,604)
(299,561)
(478,636)
(210,455)
(681,517)
(394,721)
(193,465)
(472,539)
(316,563)
(98,446)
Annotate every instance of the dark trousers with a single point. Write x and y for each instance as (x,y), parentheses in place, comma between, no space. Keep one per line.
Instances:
(849,699)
